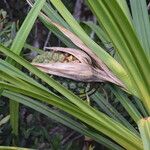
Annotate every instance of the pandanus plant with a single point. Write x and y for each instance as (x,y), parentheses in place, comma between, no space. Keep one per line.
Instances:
(128,32)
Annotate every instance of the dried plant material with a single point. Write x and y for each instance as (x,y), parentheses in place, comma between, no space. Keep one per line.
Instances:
(75,71)
(80,55)
(81,70)
(101,69)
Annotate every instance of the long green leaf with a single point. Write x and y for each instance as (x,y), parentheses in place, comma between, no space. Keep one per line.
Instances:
(111,111)
(144,127)
(124,6)
(59,117)
(141,107)
(13,148)
(127,104)
(39,51)
(99,32)
(11,70)
(102,123)
(53,14)
(26,27)
(117,25)
(133,144)
(141,23)
(4,120)
(16,47)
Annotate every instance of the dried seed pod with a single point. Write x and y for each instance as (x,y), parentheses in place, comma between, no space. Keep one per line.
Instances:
(78,87)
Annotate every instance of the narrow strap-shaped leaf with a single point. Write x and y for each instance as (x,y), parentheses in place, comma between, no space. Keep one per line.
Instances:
(13,148)
(102,123)
(54,15)
(141,23)
(26,27)
(111,111)
(99,32)
(144,127)
(4,120)
(59,117)
(127,104)
(16,47)
(141,108)
(117,25)
(17,73)
(123,4)
(23,85)
(28,46)
(129,143)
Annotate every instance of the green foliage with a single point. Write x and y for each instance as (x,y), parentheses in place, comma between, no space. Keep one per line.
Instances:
(144,127)
(101,120)
(7,29)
